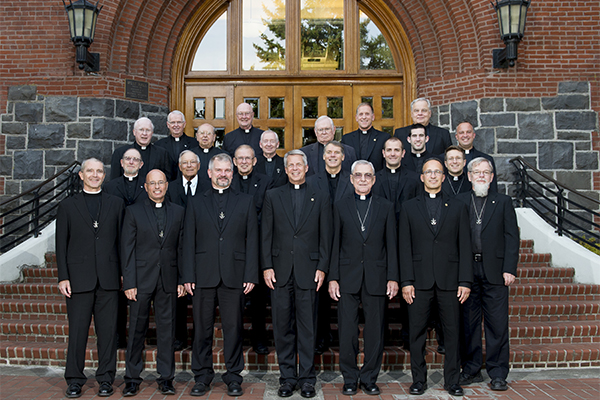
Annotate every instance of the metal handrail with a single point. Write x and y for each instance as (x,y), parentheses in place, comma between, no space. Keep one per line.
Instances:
(28,217)
(553,204)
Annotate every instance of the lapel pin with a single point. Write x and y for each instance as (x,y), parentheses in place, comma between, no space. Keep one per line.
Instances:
(375,139)
(493,201)
(312,199)
(446,204)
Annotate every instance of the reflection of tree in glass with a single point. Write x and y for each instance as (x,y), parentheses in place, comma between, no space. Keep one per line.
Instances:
(374,51)
(322,31)
(273,52)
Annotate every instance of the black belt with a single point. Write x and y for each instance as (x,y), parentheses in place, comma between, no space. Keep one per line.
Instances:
(478,257)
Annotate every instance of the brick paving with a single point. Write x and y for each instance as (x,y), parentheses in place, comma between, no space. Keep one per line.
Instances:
(30,383)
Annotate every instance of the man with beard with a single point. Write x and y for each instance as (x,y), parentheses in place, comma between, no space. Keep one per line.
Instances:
(366,140)
(465,135)
(364,270)
(495,244)
(413,160)
(270,163)
(177,141)
(246,133)
(456,182)
(206,150)
(420,112)
(325,132)
(220,266)
(435,266)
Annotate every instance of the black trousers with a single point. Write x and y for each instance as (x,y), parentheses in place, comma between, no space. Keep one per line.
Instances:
(490,302)
(449,313)
(373,308)
(231,303)
(102,304)
(164,316)
(294,326)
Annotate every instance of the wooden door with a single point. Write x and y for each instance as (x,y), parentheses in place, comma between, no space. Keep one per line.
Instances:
(212,104)
(387,102)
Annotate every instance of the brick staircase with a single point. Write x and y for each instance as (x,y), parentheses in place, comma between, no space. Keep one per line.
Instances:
(554,322)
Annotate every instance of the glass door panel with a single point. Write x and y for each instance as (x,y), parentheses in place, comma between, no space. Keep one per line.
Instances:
(207,104)
(387,105)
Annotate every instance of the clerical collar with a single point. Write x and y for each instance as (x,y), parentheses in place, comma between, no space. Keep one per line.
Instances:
(364,132)
(332,176)
(131,178)
(205,150)
(300,186)
(143,147)
(392,170)
(418,155)
(269,159)
(432,195)
(220,191)
(247,130)
(467,151)
(456,178)
(88,192)
(158,205)
(362,197)
(245,176)
(176,139)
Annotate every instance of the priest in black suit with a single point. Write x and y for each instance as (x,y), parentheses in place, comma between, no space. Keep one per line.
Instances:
(220,259)
(150,251)
(495,243)
(435,265)
(296,242)
(456,180)
(366,140)
(154,157)
(363,270)
(325,132)
(465,135)
(271,163)
(245,134)
(88,228)
(439,138)
(206,150)
(177,141)
(418,151)
(129,186)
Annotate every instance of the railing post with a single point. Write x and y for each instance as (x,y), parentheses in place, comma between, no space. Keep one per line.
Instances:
(36,214)
(560,214)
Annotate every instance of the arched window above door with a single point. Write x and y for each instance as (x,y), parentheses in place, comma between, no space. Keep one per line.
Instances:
(304,37)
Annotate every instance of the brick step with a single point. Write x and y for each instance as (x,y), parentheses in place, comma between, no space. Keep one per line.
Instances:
(544,275)
(536,311)
(42,291)
(395,358)
(535,259)
(555,292)
(566,332)
(28,309)
(40,274)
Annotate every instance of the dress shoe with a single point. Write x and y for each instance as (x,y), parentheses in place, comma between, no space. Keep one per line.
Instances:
(106,389)
(260,348)
(199,389)
(285,390)
(308,390)
(417,388)
(131,389)
(454,389)
(499,384)
(166,387)
(73,391)
(370,388)
(349,389)
(467,379)
(234,389)
(178,345)
(441,349)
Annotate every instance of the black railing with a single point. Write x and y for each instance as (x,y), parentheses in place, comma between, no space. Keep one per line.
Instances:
(571,212)
(27,214)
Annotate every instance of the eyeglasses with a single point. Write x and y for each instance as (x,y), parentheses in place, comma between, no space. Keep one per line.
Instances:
(244,158)
(367,176)
(205,133)
(159,183)
(244,113)
(430,172)
(484,173)
(134,159)
(455,159)
(321,130)
(176,122)
(185,163)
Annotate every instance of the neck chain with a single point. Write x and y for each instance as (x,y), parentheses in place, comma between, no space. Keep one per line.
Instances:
(362,221)
(480,214)
(462,180)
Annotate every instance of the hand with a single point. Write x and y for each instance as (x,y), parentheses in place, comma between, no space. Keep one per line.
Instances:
(248,286)
(509,279)
(319,278)
(463,294)
(408,293)
(189,287)
(180,291)
(392,289)
(65,287)
(131,294)
(334,290)
(269,275)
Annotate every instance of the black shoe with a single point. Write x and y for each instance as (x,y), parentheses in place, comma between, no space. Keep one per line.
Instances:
(417,388)
(285,390)
(73,391)
(499,384)
(466,379)
(454,389)
(199,389)
(166,387)
(260,348)
(441,349)
(321,347)
(234,389)
(178,345)
(370,388)
(349,389)
(131,389)
(106,389)
(308,390)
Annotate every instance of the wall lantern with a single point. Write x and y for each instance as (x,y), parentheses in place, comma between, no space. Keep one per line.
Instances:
(511,19)
(82,23)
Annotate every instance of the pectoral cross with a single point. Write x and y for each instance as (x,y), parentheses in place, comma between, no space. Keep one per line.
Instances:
(161,234)
(96,224)
(222,215)
(433,221)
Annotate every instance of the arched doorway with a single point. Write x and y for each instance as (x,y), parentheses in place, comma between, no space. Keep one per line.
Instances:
(293,60)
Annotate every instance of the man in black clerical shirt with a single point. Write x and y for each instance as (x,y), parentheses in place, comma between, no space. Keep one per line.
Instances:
(177,141)
(418,153)
(366,140)
(245,134)
(420,112)
(271,164)
(206,150)
(465,135)
(456,182)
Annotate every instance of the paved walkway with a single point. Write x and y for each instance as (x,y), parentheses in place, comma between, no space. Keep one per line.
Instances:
(42,383)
